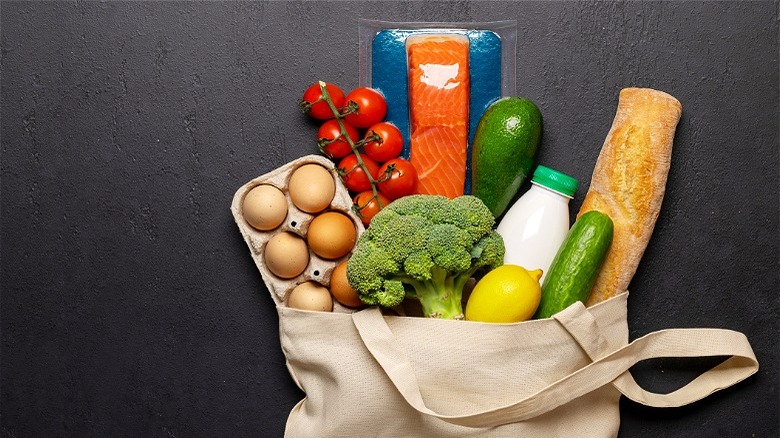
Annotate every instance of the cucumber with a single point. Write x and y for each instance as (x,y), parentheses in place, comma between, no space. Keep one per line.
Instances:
(574,269)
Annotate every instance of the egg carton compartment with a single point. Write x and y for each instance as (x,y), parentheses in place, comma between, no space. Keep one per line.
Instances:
(296,222)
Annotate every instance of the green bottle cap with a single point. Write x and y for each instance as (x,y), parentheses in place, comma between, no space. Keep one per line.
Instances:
(554,180)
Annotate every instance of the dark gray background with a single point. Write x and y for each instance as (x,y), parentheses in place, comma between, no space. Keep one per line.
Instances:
(130,304)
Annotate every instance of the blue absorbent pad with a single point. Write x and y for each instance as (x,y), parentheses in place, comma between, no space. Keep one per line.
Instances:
(391,77)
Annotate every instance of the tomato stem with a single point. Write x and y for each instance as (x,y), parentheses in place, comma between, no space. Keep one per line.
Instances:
(350,108)
(339,116)
(304,106)
(373,136)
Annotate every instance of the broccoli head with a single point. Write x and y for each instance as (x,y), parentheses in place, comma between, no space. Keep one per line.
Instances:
(425,247)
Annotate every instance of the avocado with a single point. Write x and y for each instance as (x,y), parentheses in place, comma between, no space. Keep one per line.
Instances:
(505,144)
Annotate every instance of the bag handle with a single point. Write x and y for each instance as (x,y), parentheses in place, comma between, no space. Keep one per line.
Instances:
(582,326)
(606,368)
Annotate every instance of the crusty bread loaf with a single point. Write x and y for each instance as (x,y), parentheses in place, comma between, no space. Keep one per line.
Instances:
(629,180)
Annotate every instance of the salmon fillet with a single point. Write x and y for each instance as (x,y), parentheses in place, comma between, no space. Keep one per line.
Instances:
(439,111)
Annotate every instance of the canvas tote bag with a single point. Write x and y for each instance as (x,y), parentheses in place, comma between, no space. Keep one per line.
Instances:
(369,375)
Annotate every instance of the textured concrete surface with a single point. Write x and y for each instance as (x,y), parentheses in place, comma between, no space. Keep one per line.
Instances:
(130,306)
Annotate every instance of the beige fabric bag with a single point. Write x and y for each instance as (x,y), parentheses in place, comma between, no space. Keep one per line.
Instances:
(368,375)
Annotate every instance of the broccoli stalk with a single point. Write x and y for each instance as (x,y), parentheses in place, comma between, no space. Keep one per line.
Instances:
(441,296)
(425,247)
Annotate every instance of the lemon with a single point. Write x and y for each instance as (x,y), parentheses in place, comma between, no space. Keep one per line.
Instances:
(509,293)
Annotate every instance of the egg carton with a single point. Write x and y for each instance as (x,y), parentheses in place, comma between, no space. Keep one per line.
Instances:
(297,222)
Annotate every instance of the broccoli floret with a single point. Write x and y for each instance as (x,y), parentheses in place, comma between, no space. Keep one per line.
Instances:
(425,247)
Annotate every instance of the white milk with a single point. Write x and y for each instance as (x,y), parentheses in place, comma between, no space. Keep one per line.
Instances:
(536,225)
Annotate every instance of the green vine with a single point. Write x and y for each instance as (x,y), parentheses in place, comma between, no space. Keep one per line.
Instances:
(339,116)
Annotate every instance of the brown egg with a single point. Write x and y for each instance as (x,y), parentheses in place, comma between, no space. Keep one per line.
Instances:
(331,235)
(340,288)
(311,188)
(310,296)
(264,207)
(286,255)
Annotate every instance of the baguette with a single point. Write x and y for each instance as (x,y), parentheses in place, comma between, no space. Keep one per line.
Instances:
(629,180)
